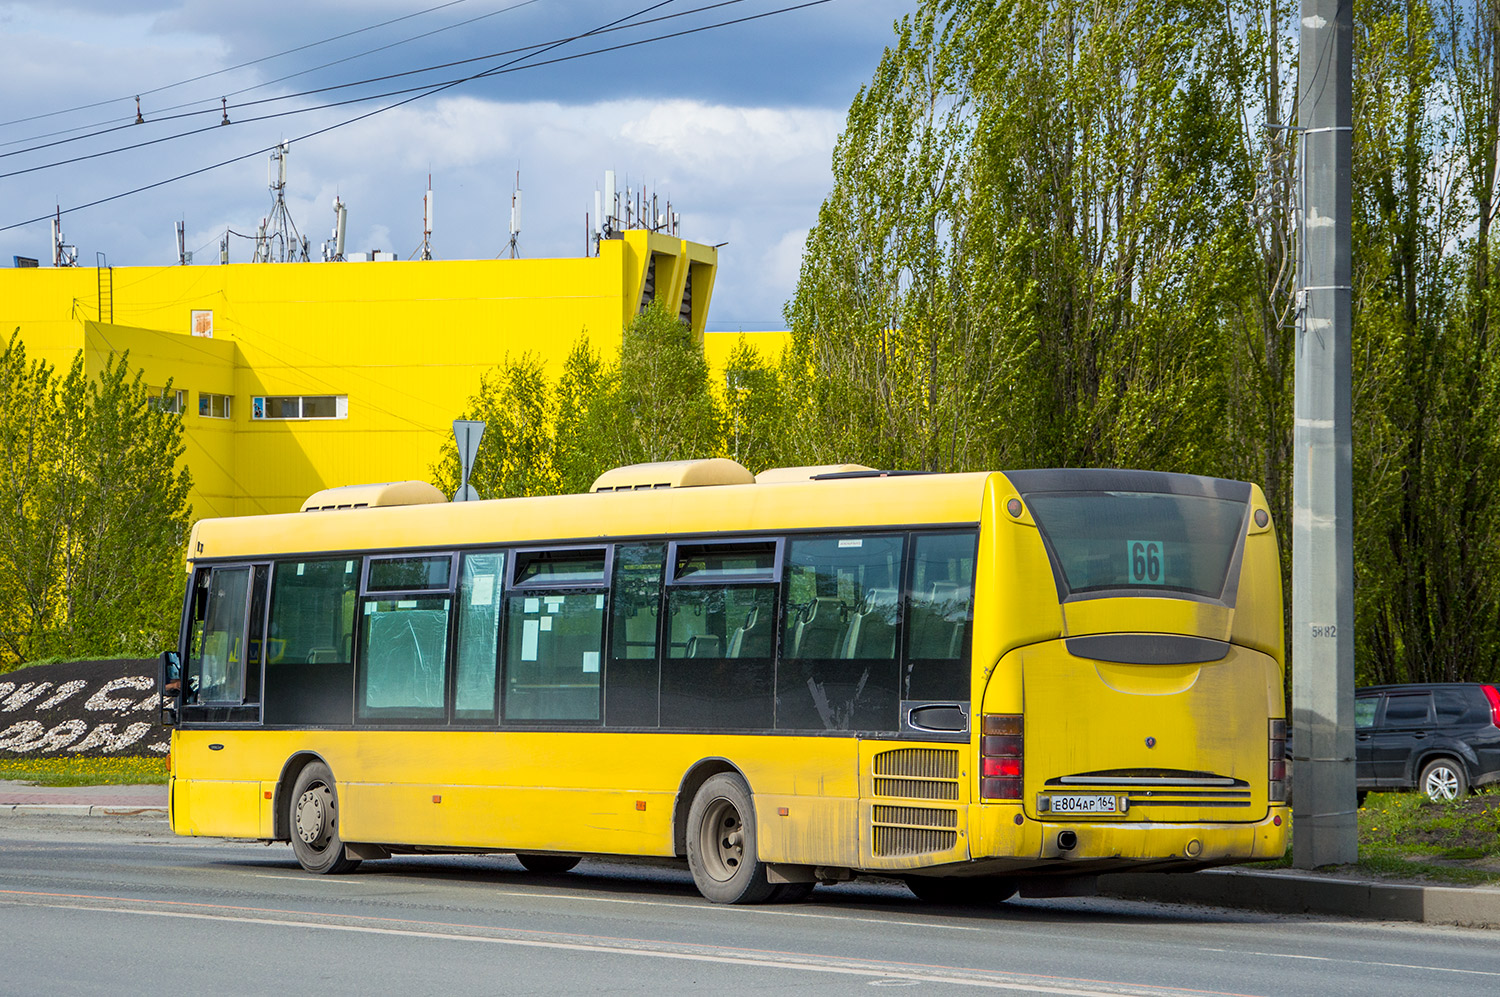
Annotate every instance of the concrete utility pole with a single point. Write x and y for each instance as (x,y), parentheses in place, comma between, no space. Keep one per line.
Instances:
(1324,831)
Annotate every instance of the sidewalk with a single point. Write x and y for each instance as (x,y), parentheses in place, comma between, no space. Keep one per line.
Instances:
(1284,891)
(113,801)
(1300,891)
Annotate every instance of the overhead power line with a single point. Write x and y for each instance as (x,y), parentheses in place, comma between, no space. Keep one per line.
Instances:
(116,123)
(216,107)
(242,65)
(422,92)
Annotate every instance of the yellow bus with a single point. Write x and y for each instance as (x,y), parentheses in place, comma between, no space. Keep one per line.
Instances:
(981,683)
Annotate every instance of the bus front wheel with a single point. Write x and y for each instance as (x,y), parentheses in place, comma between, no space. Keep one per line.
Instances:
(721,843)
(315,822)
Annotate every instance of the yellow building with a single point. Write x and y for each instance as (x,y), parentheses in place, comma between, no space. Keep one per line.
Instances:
(294,377)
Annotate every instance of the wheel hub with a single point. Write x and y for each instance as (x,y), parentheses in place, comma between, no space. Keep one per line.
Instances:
(312,816)
(725,851)
(1442,784)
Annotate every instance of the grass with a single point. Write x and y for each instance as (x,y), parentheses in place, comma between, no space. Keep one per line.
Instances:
(1406,836)
(18,666)
(124,771)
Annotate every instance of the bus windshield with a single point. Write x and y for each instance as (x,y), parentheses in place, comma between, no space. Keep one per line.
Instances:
(1148,540)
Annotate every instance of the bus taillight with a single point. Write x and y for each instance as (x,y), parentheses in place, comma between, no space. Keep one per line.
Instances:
(1277,790)
(1000,751)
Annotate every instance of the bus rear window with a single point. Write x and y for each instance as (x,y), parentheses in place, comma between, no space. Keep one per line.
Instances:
(1148,541)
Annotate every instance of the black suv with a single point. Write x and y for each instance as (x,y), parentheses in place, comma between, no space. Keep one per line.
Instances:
(1441,738)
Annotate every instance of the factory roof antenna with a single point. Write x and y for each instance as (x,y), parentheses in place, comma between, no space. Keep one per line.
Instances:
(278,240)
(426,251)
(63,254)
(515,219)
(333,251)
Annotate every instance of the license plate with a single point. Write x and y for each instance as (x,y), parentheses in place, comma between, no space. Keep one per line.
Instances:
(1084,803)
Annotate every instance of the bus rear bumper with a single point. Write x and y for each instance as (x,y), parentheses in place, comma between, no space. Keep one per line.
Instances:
(998,840)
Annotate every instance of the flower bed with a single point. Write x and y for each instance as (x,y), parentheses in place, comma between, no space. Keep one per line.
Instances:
(81,709)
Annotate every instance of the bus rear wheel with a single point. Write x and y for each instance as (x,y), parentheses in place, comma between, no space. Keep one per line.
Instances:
(315,822)
(547,865)
(967,891)
(721,843)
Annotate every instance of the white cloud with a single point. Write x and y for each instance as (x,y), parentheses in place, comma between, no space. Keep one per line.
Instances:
(742,151)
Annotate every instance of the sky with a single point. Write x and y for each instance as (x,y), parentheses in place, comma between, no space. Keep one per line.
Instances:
(735,125)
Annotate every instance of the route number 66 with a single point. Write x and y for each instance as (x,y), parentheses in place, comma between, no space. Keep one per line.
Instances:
(1144,557)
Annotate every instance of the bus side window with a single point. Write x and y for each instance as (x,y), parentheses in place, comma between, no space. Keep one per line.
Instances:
(479,591)
(310,641)
(401,666)
(839,668)
(630,684)
(216,661)
(719,669)
(941,608)
(555,634)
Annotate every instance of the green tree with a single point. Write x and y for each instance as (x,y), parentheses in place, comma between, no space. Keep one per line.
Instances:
(95,511)
(586,402)
(661,393)
(754,416)
(544,438)
(516,404)
(1035,238)
(1426,90)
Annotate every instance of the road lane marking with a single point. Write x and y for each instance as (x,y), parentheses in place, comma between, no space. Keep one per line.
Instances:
(1357,962)
(915,972)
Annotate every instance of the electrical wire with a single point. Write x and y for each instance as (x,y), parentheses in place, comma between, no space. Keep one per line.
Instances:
(329,128)
(423,92)
(158,117)
(230,69)
(160,114)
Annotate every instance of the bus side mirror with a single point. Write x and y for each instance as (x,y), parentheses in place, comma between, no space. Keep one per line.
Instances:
(169,682)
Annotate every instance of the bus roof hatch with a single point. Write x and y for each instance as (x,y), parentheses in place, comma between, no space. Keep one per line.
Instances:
(386,493)
(673,474)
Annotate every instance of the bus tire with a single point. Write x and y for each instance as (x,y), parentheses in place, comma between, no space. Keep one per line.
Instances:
(315,822)
(721,843)
(547,865)
(967,891)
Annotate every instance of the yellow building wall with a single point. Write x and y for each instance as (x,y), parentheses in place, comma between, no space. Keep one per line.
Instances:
(405,341)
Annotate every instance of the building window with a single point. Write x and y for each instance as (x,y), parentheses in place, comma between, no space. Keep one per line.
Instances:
(164,400)
(211,406)
(299,407)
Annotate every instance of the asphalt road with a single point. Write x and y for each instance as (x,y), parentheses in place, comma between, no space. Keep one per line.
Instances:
(99,905)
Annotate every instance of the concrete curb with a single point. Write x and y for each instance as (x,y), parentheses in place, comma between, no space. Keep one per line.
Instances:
(83,810)
(1300,893)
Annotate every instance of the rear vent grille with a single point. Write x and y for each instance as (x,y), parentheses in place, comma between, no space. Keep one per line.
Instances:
(901,831)
(1162,787)
(917,773)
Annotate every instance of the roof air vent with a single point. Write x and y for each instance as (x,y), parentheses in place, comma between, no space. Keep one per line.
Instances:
(673,474)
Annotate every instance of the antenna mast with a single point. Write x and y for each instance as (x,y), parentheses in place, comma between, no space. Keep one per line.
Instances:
(340,223)
(515,219)
(278,240)
(63,255)
(426,252)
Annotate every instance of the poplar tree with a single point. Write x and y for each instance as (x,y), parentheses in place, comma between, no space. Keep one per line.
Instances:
(93,511)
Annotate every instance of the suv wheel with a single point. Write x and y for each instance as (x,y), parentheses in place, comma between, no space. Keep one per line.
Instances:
(1443,780)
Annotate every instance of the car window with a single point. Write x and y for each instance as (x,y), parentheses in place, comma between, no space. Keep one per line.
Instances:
(1364,711)
(1406,709)
(1454,705)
